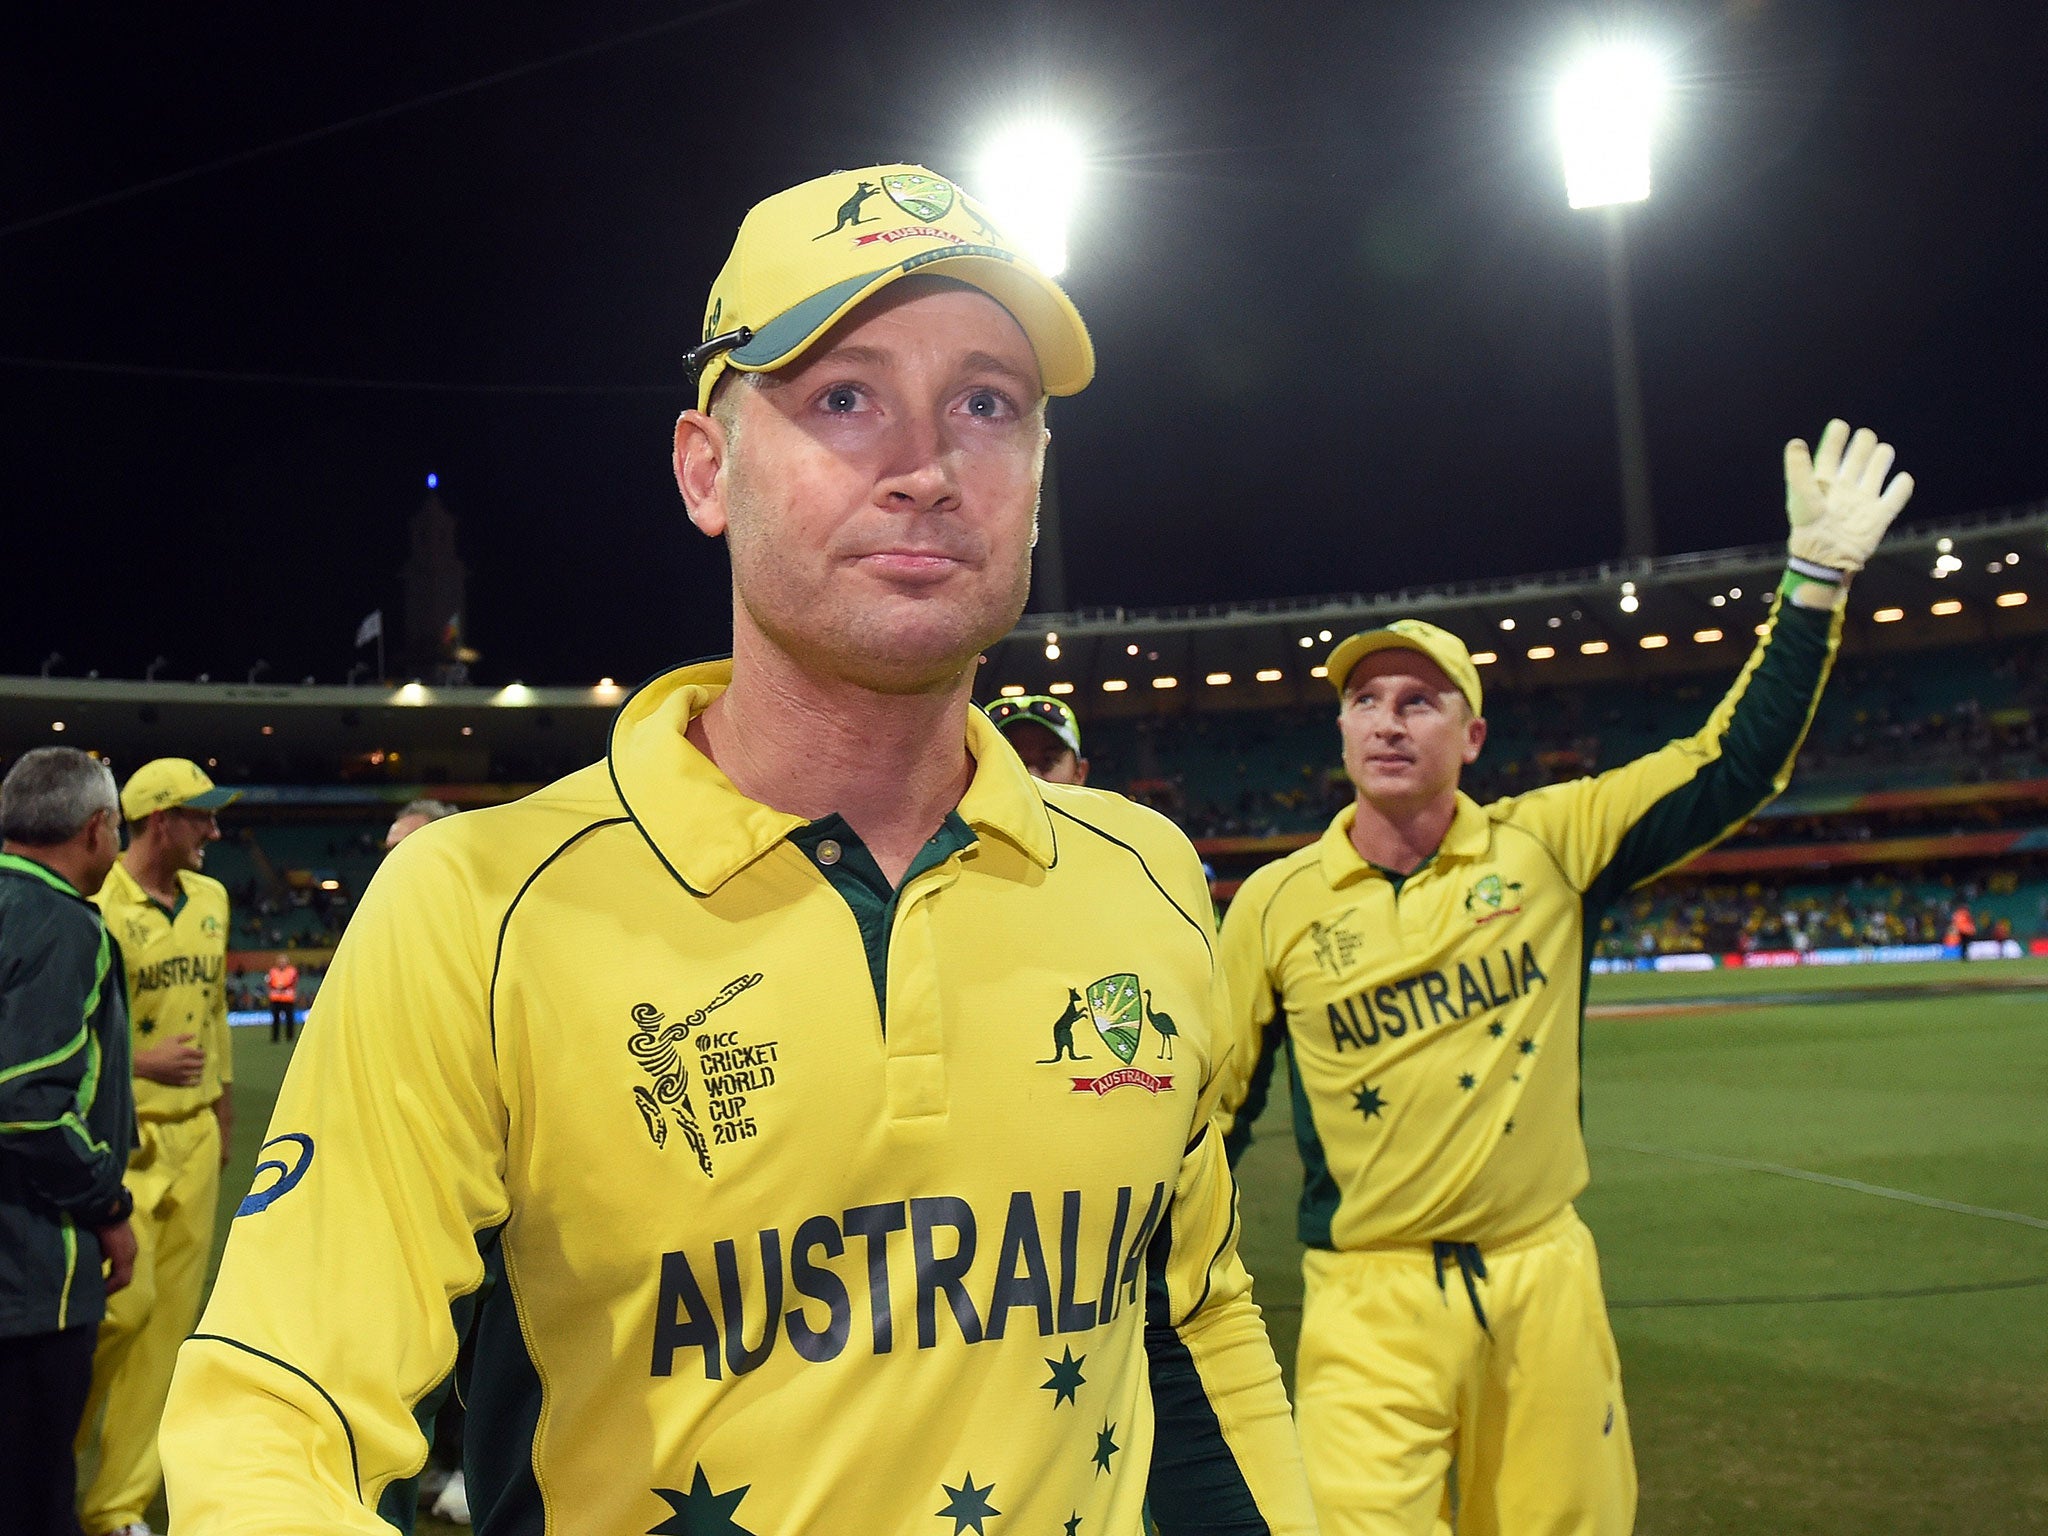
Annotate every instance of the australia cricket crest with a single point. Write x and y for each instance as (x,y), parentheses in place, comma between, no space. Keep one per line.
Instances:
(922,197)
(1118,1006)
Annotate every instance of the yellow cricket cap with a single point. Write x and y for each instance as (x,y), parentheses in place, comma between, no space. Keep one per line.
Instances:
(1439,645)
(171,781)
(805,257)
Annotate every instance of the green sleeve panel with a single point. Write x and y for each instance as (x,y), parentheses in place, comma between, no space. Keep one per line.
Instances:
(1752,739)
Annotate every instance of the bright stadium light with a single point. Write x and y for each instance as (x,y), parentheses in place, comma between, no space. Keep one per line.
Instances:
(1061,688)
(1607,107)
(1013,690)
(1030,178)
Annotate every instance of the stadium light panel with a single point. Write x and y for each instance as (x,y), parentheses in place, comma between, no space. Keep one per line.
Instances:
(514,695)
(1052,653)
(1629,602)
(2012,559)
(1130,650)
(1318,671)
(1718,600)
(1945,607)
(1269,674)
(1484,658)
(606,682)
(2011,599)
(57,725)
(1654,642)
(1888,615)
(412,693)
(1217,679)
(1736,593)
(1705,636)
(1542,652)
(1061,688)
(1052,637)
(1943,546)
(1593,648)
(1306,642)
(1013,690)
(1607,107)
(469,730)
(1507,626)
(1165,682)
(1324,636)
(1114,685)
(1030,177)
(1762,629)
(330,885)
(270,730)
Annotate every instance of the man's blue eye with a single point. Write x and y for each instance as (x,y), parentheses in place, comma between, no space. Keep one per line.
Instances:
(843,398)
(985,403)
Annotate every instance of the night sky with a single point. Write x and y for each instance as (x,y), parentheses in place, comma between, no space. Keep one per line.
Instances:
(1351,338)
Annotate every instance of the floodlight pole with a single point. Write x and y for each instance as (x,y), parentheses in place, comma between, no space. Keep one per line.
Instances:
(1638,524)
(1049,556)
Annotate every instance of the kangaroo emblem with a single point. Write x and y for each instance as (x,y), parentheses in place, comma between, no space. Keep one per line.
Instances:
(1163,1022)
(849,211)
(981,223)
(1063,1029)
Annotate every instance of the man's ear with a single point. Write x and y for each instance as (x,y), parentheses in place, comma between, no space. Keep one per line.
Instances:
(700,451)
(1475,738)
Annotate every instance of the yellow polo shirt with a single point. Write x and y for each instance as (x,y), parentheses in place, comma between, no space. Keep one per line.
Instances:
(177,981)
(802,1217)
(1432,1023)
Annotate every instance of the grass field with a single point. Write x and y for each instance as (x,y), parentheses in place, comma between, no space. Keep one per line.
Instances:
(1801,1358)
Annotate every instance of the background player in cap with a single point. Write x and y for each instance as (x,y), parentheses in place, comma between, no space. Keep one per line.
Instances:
(171,923)
(1046,734)
(705,1052)
(1421,967)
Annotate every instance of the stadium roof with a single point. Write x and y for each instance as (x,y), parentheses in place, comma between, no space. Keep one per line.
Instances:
(1931,584)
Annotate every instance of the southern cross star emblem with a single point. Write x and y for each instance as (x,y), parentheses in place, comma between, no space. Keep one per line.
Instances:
(1105,1446)
(700,1512)
(1527,1047)
(1367,1101)
(1467,1081)
(1066,1377)
(967,1506)
(1496,1029)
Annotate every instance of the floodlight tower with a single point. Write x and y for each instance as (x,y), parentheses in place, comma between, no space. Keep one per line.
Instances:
(1029,177)
(1607,106)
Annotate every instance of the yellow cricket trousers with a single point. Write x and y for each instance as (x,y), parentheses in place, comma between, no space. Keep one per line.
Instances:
(174,1176)
(1498,1362)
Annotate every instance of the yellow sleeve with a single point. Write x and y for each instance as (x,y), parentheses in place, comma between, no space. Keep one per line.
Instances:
(1632,823)
(292,1406)
(1251,1020)
(1225,1457)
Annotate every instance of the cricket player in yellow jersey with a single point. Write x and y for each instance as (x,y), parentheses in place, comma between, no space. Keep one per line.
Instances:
(738,1057)
(1423,967)
(171,923)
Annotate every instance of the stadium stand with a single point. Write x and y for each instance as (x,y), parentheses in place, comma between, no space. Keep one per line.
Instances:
(1924,782)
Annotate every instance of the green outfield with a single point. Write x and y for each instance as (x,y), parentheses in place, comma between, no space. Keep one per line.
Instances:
(1800,1356)
(1803,1357)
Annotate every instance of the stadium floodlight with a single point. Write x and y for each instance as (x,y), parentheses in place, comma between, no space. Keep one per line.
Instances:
(1030,177)
(1607,104)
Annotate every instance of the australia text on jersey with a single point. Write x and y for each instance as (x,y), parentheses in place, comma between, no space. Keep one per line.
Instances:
(752,1279)
(1389,1011)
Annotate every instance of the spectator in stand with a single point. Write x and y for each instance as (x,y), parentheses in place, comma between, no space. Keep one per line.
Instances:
(416,815)
(281,986)
(66,1114)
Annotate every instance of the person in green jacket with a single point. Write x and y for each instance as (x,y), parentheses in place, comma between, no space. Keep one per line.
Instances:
(67,1117)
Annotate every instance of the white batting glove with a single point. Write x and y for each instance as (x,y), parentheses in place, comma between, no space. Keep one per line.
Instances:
(1837,500)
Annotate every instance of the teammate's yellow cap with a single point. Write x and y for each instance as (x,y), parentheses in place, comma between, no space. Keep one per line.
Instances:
(169,781)
(806,256)
(1439,645)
